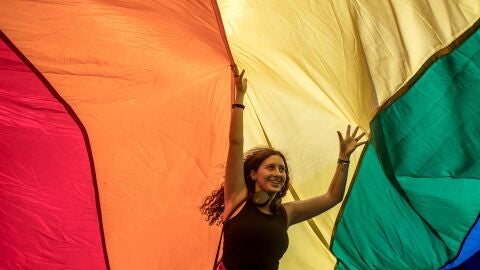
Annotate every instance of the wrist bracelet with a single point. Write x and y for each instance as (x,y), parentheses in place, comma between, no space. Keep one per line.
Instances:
(237,105)
(344,162)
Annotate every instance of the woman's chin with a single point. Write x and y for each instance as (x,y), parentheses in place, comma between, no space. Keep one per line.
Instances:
(274,188)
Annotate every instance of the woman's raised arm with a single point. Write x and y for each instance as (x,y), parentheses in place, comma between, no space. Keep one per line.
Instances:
(235,189)
(299,211)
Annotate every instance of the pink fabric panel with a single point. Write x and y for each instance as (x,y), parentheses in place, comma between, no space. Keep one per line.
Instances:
(48,209)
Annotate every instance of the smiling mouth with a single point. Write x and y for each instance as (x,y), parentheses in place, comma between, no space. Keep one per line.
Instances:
(276,182)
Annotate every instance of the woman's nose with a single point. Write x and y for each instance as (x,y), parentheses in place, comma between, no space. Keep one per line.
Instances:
(278,172)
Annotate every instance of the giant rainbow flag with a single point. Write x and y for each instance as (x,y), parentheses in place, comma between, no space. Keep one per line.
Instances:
(114,122)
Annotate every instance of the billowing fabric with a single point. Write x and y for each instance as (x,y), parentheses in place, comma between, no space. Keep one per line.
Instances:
(425,146)
(151,84)
(135,108)
(314,67)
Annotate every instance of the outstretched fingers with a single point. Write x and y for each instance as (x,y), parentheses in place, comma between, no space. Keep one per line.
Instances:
(235,70)
(359,136)
(357,139)
(355,132)
(241,75)
(340,137)
(361,143)
(236,75)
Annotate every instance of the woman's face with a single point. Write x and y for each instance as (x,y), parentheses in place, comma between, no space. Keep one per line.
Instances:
(270,176)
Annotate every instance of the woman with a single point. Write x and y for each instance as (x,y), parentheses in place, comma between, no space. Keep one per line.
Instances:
(256,222)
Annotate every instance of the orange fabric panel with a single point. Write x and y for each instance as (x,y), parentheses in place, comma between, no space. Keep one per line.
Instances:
(150,81)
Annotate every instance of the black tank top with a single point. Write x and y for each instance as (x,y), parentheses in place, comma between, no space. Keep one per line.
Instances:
(254,240)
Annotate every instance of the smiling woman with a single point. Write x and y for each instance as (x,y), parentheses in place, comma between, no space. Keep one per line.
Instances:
(249,202)
(270,176)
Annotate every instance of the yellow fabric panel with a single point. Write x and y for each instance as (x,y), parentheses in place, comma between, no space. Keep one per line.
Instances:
(150,81)
(315,66)
(399,36)
(305,251)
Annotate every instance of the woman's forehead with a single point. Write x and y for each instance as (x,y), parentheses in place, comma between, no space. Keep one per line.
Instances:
(274,159)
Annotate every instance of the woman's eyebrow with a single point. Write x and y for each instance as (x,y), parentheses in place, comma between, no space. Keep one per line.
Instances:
(278,164)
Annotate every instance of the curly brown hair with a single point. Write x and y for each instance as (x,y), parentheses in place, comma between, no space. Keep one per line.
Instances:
(214,204)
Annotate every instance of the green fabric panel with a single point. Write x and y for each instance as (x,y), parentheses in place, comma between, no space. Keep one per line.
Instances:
(450,206)
(417,191)
(379,228)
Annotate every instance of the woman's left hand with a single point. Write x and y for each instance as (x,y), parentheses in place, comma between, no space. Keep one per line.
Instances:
(349,143)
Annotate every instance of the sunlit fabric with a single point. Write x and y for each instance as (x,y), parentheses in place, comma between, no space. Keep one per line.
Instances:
(314,67)
(145,88)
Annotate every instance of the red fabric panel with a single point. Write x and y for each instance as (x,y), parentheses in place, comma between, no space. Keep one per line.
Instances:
(48,212)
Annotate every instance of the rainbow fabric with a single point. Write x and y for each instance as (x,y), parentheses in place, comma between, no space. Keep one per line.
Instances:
(114,123)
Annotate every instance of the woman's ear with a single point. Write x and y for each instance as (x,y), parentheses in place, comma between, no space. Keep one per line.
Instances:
(253,174)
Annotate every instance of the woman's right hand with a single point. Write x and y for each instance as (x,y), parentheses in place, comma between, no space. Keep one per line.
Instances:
(240,82)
